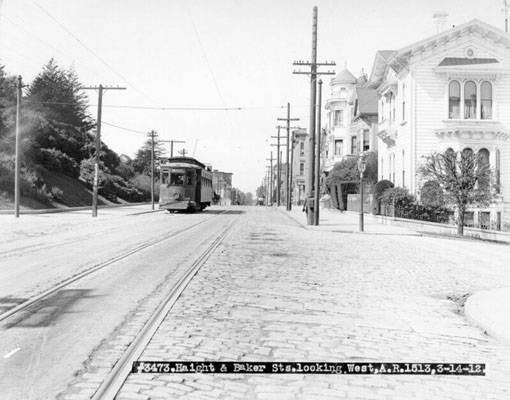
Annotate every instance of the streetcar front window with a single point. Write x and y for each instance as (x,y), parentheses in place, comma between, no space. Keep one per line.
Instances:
(177,178)
(181,177)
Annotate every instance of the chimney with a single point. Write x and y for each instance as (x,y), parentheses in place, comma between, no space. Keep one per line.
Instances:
(440,18)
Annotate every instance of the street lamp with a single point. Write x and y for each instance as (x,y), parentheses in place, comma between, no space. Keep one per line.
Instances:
(361,168)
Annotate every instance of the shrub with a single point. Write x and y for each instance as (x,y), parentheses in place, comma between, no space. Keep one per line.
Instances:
(432,194)
(57,194)
(380,187)
(397,197)
(55,160)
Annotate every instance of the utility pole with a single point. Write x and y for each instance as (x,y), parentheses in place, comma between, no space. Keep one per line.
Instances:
(505,10)
(172,141)
(278,165)
(311,140)
(19,87)
(183,152)
(101,89)
(271,178)
(265,187)
(291,170)
(152,134)
(318,158)
(287,183)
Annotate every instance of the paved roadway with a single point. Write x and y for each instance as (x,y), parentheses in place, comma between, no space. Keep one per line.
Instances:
(272,291)
(43,348)
(278,292)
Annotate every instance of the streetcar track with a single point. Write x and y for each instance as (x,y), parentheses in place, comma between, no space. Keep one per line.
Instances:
(23,306)
(112,384)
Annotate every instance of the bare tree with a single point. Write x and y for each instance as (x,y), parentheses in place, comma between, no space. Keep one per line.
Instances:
(463,176)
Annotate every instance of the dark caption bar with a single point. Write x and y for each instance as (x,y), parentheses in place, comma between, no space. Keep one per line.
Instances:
(358,368)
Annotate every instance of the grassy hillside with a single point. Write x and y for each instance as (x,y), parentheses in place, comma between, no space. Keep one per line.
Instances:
(71,193)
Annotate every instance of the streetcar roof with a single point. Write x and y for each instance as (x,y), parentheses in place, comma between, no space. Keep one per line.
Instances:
(182,162)
(179,165)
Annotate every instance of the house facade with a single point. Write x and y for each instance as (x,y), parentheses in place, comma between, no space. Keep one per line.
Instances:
(351,118)
(449,91)
(338,119)
(298,165)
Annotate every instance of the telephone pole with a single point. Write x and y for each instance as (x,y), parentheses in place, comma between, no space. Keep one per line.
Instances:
(152,134)
(183,152)
(270,178)
(278,165)
(19,87)
(101,89)
(287,183)
(318,158)
(313,64)
(505,10)
(291,170)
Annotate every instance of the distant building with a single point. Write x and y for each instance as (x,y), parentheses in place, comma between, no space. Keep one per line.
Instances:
(299,152)
(222,186)
(448,91)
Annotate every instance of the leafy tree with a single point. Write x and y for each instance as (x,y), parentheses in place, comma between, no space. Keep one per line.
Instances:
(344,177)
(464,178)
(142,161)
(56,116)
(7,107)
(261,192)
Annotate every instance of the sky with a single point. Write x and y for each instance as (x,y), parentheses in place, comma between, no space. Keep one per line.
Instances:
(219,54)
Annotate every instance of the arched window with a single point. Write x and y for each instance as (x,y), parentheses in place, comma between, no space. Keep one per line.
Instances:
(483,156)
(467,152)
(454,100)
(469,100)
(486,100)
(483,167)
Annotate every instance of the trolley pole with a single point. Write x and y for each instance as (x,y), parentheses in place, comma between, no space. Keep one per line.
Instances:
(318,158)
(171,141)
(152,134)
(287,181)
(310,162)
(19,87)
(100,89)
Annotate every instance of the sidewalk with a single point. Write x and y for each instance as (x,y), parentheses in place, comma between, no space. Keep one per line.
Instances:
(489,309)
(336,221)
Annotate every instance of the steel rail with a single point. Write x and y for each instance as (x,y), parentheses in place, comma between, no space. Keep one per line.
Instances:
(112,384)
(23,306)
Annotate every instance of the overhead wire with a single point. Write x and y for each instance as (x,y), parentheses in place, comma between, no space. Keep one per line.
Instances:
(167,108)
(96,55)
(46,43)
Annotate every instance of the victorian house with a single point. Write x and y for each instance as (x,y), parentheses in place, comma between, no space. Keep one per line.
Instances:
(338,118)
(449,91)
(351,122)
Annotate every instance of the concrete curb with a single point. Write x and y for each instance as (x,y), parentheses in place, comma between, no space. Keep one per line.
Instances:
(490,310)
(69,209)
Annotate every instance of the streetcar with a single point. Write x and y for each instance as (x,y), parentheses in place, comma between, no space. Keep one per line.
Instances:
(186,185)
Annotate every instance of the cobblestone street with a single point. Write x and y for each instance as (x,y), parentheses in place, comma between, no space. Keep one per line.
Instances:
(274,291)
